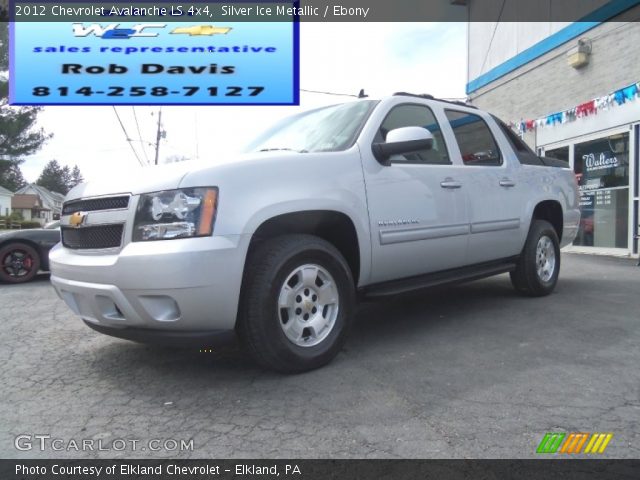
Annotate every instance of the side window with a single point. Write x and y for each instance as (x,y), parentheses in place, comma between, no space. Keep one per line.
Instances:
(516,142)
(524,154)
(476,142)
(411,115)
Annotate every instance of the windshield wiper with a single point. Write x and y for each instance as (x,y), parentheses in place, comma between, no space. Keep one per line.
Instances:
(285,149)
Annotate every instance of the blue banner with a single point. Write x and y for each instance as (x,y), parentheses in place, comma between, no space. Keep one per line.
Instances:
(154,63)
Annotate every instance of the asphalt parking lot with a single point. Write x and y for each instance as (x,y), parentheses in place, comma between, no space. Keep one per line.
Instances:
(471,371)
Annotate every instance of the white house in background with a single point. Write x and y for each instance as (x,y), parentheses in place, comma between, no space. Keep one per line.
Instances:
(5,202)
(31,208)
(51,201)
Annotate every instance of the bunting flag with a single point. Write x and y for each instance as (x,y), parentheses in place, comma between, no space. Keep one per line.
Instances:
(592,107)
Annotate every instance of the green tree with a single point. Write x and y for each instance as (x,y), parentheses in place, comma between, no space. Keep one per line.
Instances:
(18,138)
(19,134)
(76,177)
(4,50)
(59,179)
(66,179)
(53,177)
(11,176)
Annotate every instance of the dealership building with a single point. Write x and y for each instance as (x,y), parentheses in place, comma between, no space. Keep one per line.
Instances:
(572,90)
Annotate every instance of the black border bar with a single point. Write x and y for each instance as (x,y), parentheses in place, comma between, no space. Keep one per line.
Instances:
(337,10)
(548,469)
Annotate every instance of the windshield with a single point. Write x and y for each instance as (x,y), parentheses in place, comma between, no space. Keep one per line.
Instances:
(327,129)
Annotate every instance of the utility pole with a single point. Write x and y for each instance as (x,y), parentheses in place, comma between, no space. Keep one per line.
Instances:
(158,135)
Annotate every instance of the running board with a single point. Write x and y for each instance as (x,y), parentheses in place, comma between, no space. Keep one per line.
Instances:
(445,277)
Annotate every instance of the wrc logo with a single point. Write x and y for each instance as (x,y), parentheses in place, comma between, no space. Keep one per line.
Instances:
(572,443)
(113,32)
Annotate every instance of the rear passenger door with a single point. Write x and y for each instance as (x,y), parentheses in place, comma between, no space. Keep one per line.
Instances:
(495,198)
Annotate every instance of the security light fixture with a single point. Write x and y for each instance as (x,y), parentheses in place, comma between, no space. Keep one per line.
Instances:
(579,55)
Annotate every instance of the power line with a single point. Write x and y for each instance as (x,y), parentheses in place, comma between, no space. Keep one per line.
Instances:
(126,136)
(144,150)
(329,93)
(495,29)
(362,95)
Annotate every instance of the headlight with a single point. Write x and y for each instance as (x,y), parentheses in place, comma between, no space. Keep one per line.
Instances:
(188,212)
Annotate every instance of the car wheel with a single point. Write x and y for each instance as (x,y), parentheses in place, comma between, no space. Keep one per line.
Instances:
(536,273)
(19,263)
(297,299)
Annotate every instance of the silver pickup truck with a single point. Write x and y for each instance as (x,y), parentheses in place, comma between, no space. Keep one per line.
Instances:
(362,199)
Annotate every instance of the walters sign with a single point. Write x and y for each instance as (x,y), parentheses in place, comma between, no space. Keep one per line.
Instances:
(602,161)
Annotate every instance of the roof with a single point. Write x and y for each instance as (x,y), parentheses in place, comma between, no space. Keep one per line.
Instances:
(426,96)
(4,191)
(26,201)
(46,194)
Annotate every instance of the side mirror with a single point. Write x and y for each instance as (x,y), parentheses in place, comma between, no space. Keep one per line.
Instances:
(402,140)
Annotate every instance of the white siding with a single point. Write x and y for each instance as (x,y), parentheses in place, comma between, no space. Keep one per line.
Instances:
(511,38)
(516,31)
(5,204)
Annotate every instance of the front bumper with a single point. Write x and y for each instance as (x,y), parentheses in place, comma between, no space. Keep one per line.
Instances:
(186,286)
(214,338)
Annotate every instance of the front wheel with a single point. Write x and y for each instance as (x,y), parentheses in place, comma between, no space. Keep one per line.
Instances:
(536,273)
(297,300)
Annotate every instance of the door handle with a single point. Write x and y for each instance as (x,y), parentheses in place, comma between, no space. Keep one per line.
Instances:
(450,183)
(505,182)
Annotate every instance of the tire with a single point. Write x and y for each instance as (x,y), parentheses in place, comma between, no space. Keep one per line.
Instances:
(296,303)
(537,271)
(19,263)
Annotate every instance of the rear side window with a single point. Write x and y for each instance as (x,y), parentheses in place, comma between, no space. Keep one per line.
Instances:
(412,115)
(524,154)
(476,142)
(516,142)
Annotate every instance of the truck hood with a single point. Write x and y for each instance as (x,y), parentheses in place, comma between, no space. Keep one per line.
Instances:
(134,180)
(137,180)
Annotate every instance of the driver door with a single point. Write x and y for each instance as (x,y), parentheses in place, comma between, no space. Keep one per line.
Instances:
(417,205)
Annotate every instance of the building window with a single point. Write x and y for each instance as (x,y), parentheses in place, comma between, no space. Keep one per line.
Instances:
(476,142)
(602,170)
(561,153)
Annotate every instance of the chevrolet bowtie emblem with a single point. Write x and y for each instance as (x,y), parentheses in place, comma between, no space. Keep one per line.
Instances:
(77,219)
(202,30)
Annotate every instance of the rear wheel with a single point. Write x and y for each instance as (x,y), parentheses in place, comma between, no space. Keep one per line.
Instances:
(297,300)
(537,270)
(19,263)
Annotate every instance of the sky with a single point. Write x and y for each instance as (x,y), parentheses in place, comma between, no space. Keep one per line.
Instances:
(382,58)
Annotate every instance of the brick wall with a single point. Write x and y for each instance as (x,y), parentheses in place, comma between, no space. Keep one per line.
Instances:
(549,84)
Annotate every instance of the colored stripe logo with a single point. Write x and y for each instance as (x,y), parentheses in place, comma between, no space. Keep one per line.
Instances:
(598,443)
(572,443)
(550,442)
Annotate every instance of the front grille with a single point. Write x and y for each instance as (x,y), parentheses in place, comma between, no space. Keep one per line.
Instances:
(93,204)
(98,236)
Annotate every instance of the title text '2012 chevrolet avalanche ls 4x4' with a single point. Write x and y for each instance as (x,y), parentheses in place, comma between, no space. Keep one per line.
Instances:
(367,197)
